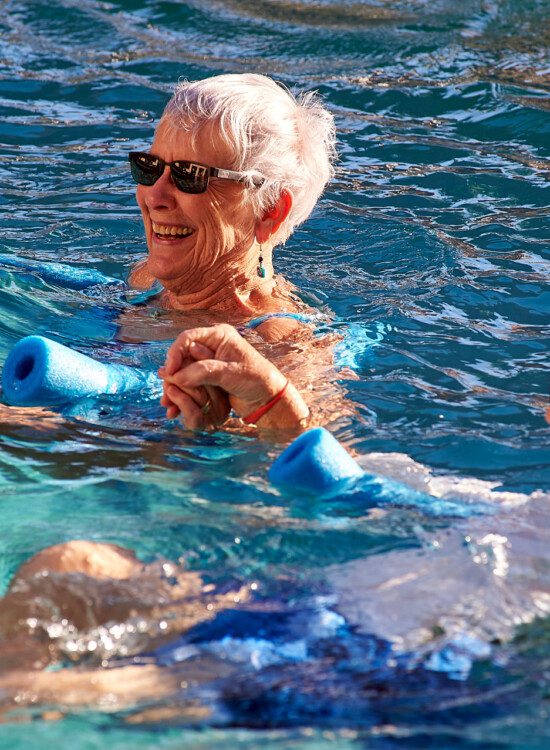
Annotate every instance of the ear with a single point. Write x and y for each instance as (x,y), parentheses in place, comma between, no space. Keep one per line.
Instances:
(272,219)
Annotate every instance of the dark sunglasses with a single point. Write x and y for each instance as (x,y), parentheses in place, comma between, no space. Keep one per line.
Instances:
(187,176)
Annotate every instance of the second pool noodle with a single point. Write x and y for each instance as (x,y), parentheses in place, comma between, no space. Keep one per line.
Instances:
(317,465)
(92,313)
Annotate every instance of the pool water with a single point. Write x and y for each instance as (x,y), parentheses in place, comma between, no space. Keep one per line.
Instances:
(379,628)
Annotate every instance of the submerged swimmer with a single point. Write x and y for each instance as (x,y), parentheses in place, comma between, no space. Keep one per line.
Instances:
(129,630)
(236,164)
(84,603)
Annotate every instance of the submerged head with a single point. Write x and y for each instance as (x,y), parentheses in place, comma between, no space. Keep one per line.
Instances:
(282,148)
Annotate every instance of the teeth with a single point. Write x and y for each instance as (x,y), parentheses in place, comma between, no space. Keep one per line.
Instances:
(163,229)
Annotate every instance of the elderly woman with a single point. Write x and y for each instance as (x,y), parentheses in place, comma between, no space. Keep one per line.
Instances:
(235,165)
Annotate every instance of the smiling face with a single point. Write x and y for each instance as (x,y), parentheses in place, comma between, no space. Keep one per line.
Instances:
(194,239)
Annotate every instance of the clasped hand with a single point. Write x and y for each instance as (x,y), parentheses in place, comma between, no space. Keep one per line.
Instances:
(210,371)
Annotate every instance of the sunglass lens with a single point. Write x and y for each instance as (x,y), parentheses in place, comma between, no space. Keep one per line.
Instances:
(189,177)
(146,169)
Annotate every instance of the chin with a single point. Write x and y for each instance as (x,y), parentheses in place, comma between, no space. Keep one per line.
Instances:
(161,271)
(165,265)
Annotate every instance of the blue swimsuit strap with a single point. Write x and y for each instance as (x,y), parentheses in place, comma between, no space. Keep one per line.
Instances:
(255,322)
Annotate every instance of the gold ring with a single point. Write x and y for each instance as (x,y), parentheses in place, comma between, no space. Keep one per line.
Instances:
(206,408)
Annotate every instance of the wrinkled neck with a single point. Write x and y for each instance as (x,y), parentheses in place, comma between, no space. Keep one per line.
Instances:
(229,286)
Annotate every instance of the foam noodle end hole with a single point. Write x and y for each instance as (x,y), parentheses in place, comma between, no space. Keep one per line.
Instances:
(293,451)
(24,368)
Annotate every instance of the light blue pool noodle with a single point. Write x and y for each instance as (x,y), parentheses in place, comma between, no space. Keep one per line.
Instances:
(59,273)
(41,372)
(315,462)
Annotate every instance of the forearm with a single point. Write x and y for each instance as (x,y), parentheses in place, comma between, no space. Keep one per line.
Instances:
(309,364)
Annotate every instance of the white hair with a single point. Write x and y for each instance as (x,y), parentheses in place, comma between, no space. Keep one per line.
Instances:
(287,139)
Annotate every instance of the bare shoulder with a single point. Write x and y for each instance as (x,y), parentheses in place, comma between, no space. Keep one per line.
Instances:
(278,329)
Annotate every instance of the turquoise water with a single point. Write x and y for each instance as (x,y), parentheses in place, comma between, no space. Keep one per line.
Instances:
(436,227)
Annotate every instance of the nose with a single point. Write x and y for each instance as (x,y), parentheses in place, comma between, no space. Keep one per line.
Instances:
(161,195)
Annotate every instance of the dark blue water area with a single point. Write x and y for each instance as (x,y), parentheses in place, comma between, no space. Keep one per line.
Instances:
(387,627)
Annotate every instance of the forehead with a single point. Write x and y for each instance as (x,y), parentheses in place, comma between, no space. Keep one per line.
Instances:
(205,145)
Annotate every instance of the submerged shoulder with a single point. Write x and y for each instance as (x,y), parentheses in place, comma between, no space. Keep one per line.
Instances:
(276,329)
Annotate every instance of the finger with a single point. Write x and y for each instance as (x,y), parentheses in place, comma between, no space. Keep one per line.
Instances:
(198,351)
(208,372)
(179,351)
(191,415)
(164,400)
(212,337)
(246,382)
(172,412)
(198,394)
(214,398)
(183,360)
(220,406)
(175,356)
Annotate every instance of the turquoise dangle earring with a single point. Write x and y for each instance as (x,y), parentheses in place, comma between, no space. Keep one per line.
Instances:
(261,270)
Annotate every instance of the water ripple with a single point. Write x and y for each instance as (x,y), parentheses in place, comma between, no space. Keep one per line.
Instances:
(435,228)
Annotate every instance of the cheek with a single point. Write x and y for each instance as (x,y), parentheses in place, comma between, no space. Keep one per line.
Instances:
(140,199)
(227,217)
(213,221)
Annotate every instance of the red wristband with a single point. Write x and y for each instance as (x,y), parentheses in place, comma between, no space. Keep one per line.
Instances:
(256,415)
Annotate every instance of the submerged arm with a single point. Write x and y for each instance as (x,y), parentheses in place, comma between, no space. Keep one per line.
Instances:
(275,383)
